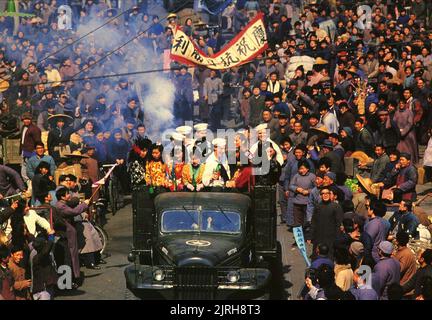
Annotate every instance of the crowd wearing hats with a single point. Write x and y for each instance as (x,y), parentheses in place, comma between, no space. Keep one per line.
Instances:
(318,96)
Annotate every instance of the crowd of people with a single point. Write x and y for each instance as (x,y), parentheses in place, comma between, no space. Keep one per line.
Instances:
(366,95)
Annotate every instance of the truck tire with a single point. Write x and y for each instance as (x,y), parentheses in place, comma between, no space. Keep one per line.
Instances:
(130,296)
(277,280)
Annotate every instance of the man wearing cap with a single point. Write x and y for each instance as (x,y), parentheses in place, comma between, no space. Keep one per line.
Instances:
(386,271)
(201,140)
(264,137)
(217,170)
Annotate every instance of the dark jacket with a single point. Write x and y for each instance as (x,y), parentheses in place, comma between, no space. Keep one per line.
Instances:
(347,119)
(416,281)
(5,214)
(364,142)
(388,134)
(117,150)
(32,136)
(337,163)
(256,108)
(10,181)
(407,222)
(326,222)
(44,274)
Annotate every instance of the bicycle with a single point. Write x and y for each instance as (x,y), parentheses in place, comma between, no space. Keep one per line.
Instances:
(112,190)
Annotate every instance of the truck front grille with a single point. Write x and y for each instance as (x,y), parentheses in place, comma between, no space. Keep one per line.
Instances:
(195,283)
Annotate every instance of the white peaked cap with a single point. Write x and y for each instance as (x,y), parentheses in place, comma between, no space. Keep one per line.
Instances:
(261,126)
(219,142)
(177,136)
(201,126)
(184,130)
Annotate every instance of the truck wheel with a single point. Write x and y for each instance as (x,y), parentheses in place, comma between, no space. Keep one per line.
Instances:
(130,296)
(276,283)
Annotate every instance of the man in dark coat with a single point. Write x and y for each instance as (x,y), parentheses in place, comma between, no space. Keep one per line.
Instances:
(347,118)
(415,283)
(363,138)
(59,136)
(67,213)
(326,221)
(10,181)
(388,133)
(257,105)
(30,134)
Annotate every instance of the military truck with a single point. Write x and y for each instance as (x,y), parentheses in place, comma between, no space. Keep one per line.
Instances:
(205,245)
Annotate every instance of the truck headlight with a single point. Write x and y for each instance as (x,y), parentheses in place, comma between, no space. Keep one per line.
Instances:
(233,276)
(158,275)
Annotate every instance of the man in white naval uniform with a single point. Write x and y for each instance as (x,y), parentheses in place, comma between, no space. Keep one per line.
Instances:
(213,175)
(264,137)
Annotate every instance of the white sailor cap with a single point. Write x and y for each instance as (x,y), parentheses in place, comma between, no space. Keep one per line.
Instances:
(201,126)
(261,127)
(177,136)
(219,142)
(184,130)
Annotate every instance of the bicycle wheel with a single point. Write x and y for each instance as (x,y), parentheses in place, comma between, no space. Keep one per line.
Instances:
(103,236)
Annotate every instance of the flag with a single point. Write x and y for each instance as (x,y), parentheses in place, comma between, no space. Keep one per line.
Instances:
(299,238)
(245,47)
(103,180)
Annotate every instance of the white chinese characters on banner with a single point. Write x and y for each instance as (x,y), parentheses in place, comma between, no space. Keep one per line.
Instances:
(251,42)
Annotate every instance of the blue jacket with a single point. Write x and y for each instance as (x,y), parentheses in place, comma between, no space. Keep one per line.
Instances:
(320,260)
(364,293)
(118,150)
(407,222)
(34,161)
(385,273)
(377,230)
(305,182)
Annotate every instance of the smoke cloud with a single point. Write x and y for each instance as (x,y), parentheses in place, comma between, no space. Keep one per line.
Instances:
(155,90)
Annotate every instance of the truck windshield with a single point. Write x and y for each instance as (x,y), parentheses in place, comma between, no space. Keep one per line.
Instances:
(201,221)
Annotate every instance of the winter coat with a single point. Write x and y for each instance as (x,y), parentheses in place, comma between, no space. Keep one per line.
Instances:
(385,273)
(326,222)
